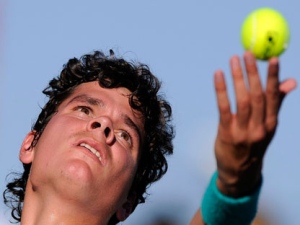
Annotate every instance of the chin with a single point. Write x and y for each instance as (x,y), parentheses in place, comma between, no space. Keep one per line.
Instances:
(77,172)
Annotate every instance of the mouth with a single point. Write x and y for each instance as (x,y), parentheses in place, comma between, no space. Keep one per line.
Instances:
(92,150)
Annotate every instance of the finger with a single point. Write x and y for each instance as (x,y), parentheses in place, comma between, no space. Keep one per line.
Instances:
(222,99)
(273,95)
(257,97)
(286,87)
(241,92)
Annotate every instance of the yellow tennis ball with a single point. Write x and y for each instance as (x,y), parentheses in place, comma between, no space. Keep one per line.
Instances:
(266,33)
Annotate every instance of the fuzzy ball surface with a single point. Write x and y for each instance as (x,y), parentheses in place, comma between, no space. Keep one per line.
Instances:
(265,32)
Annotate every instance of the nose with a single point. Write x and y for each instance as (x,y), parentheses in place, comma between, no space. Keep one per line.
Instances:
(102,126)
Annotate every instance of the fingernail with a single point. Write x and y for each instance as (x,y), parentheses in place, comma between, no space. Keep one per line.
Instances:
(218,76)
(235,63)
(249,58)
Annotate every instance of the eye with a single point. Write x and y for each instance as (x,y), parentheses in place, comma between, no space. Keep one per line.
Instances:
(84,109)
(124,135)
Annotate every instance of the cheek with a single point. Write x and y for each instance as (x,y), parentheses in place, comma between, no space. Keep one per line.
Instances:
(126,165)
(57,131)
(126,161)
(51,144)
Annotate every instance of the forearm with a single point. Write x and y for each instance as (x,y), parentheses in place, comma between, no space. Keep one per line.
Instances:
(197,219)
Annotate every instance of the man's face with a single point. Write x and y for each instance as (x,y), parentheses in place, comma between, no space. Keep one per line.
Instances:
(89,150)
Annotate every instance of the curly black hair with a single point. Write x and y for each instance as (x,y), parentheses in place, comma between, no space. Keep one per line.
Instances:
(110,72)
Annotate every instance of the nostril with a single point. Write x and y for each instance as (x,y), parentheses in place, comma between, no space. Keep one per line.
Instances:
(106,131)
(96,125)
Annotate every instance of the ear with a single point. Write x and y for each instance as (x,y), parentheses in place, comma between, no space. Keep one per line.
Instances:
(126,209)
(26,151)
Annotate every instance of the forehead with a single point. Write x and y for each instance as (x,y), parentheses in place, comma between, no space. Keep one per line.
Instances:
(94,89)
(97,95)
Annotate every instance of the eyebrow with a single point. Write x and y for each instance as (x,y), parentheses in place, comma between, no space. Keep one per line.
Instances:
(88,99)
(98,102)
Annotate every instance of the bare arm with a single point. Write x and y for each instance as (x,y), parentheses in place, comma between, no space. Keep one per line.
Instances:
(197,219)
(243,137)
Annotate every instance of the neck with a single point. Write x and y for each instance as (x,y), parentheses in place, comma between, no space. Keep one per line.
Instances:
(53,209)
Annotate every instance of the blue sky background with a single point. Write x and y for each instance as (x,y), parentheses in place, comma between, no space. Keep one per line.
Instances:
(183,42)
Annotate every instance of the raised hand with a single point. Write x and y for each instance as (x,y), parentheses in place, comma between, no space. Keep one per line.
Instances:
(243,137)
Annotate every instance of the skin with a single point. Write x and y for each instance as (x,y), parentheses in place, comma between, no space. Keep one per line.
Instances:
(67,175)
(66,178)
(244,136)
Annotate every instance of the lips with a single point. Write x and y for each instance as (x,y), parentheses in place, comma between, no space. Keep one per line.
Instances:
(92,150)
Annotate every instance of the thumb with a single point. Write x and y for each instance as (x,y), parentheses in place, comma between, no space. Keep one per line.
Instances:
(286,87)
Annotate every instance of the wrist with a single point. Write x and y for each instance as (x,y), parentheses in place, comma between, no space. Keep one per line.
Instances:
(219,209)
(238,184)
